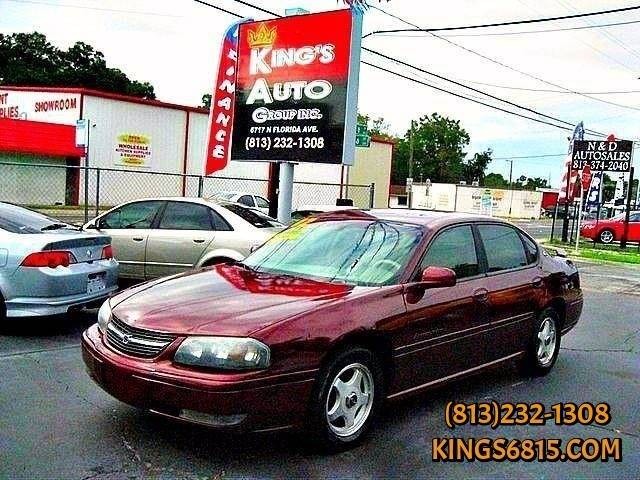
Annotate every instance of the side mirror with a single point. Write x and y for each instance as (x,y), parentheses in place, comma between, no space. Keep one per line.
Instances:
(91,226)
(437,277)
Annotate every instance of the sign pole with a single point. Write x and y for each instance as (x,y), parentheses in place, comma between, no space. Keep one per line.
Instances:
(625,235)
(285,194)
(579,219)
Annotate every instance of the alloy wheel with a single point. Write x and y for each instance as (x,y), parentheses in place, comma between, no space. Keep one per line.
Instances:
(606,236)
(350,399)
(546,347)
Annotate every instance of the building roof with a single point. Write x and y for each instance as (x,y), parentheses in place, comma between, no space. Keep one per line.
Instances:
(112,96)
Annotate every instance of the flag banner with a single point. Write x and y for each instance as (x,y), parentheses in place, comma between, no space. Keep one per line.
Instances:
(593,194)
(567,171)
(223,101)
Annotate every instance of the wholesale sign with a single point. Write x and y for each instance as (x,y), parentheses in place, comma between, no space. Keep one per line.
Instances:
(602,155)
(133,150)
(292,87)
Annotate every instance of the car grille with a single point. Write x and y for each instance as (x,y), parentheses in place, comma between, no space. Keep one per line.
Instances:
(136,341)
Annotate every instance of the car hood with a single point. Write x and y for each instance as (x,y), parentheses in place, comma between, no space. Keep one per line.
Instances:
(222,300)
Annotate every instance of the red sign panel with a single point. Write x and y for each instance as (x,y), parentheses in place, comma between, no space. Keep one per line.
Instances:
(291,86)
(222,104)
(586,176)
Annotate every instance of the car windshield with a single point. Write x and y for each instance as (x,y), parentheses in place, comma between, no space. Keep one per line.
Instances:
(356,252)
(16,219)
(253,216)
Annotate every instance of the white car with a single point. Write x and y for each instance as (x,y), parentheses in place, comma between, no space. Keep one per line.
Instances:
(248,199)
(154,237)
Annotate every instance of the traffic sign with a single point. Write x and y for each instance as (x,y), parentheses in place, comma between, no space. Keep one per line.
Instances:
(363,141)
(361,129)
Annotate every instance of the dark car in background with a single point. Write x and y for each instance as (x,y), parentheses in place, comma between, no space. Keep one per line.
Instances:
(333,316)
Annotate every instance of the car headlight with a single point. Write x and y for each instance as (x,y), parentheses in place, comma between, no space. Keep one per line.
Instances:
(104,316)
(229,353)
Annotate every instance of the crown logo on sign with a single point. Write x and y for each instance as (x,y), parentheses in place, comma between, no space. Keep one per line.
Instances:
(262,36)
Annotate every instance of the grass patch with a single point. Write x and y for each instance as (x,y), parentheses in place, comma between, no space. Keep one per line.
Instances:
(608,253)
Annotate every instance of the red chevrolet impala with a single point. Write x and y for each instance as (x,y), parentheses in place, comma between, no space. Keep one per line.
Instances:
(333,316)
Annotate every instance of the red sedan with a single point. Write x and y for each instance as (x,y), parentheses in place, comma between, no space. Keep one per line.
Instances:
(333,316)
(607,231)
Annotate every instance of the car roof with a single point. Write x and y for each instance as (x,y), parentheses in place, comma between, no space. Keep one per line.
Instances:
(324,208)
(429,217)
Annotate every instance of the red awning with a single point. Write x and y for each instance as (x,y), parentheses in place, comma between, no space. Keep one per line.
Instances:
(25,136)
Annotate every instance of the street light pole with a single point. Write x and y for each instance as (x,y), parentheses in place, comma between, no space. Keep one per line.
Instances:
(510,184)
(410,192)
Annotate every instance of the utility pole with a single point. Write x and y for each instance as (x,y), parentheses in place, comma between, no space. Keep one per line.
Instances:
(410,193)
(510,184)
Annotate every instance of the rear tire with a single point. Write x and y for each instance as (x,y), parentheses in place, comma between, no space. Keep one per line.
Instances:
(606,236)
(346,399)
(544,346)
(3,310)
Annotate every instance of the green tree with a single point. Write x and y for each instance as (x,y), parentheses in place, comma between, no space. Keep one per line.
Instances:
(29,59)
(495,180)
(438,151)
(206,100)
(378,126)
(475,167)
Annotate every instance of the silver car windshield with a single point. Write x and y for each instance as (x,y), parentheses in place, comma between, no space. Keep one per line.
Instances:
(16,219)
(357,252)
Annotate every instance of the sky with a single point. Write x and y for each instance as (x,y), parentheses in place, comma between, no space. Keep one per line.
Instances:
(174,45)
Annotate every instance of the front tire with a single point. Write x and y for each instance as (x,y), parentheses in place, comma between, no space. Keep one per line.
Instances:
(346,399)
(606,236)
(544,346)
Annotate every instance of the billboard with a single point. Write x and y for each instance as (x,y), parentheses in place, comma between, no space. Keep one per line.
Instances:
(292,89)
(602,155)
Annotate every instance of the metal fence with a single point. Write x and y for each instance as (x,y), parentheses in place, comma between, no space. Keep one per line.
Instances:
(89,190)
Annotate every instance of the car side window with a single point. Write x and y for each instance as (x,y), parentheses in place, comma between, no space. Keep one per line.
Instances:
(186,216)
(261,202)
(137,215)
(635,217)
(503,247)
(454,248)
(531,249)
(246,200)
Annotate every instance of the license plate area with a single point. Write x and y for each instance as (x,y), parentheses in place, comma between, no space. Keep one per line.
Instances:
(96,282)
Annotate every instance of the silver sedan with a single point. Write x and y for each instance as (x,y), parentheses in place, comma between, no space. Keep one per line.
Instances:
(155,237)
(48,267)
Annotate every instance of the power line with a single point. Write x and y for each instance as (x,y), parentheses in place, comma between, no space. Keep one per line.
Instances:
(497,62)
(101,9)
(547,90)
(520,32)
(531,156)
(386,57)
(464,97)
(500,24)
(218,8)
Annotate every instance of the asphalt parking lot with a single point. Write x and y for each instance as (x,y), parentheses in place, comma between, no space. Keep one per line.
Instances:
(56,423)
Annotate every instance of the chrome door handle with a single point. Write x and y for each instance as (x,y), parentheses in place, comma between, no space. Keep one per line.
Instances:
(481,295)
(137,239)
(537,282)
(198,240)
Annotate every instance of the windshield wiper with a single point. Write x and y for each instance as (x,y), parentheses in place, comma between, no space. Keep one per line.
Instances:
(55,226)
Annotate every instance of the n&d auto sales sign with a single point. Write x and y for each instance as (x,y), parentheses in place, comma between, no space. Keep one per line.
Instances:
(291,88)
(602,155)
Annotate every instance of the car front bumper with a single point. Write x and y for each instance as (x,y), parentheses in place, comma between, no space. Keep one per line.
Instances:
(254,405)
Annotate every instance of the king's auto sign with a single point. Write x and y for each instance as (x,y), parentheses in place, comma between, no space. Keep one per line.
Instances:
(291,88)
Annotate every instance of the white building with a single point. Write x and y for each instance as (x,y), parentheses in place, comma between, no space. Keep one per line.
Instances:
(37,126)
